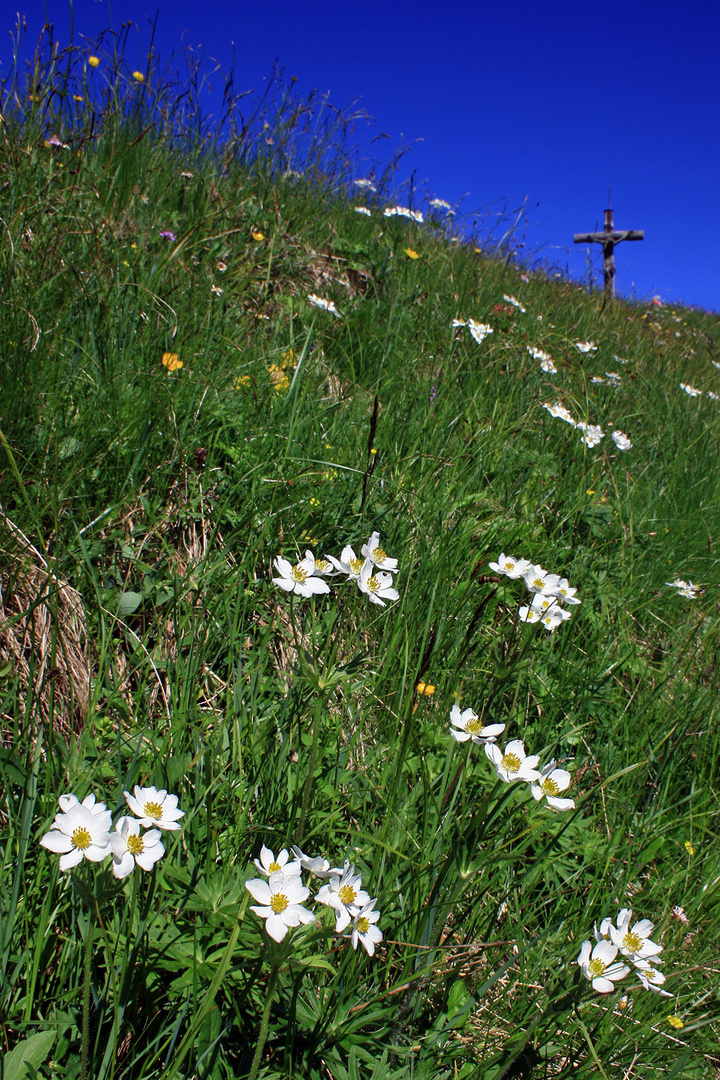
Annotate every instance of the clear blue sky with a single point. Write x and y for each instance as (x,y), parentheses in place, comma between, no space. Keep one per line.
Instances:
(500,101)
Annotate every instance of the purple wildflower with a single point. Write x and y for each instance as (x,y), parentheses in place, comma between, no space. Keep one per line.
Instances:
(166,234)
(433,393)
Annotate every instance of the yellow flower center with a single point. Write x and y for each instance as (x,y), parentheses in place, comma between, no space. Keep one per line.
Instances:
(279,902)
(632,942)
(81,838)
(380,555)
(510,566)
(373,584)
(135,844)
(321,564)
(537,583)
(511,762)
(273,867)
(299,574)
(356,565)
(473,726)
(153,810)
(363,925)
(347,894)
(596,967)
(549,786)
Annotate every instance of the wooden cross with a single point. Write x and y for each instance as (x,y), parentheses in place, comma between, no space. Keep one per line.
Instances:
(609,237)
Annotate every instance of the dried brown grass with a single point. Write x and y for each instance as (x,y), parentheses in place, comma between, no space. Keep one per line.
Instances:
(43,638)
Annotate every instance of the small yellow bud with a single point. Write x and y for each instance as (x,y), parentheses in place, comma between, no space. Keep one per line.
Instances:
(138,76)
(94,61)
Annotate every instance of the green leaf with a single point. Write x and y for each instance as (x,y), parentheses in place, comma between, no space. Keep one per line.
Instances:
(32,1051)
(129,602)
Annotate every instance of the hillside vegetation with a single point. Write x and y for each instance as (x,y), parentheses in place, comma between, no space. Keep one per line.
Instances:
(212,357)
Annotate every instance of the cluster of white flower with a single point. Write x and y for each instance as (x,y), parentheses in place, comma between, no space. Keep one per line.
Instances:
(403,211)
(513,764)
(362,210)
(514,302)
(592,434)
(549,591)
(324,305)
(684,588)
(612,379)
(367,184)
(546,361)
(280,894)
(442,204)
(478,330)
(82,830)
(599,964)
(372,571)
(586,346)
(692,391)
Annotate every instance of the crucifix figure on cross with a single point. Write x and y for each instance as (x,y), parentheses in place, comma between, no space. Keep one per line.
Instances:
(609,237)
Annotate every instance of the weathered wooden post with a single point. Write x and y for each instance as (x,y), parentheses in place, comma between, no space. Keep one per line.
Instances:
(609,237)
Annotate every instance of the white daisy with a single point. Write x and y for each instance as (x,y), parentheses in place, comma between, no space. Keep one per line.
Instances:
(324,305)
(129,847)
(597,965)
(364,929)
(378,586)
(513,764)
(375,553)
(552,781)
(80,831)
(621,440)
(280,900)
(155,807)
(470,727)
(301,578)
(345,894)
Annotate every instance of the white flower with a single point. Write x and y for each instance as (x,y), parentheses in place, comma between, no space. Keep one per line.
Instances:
(690,390)
(348,563)
(364,930)
(300,578)
(315,863)
(548,366)
(378,586)
(129,847)
(651,978)
(514,302)
(528,614)
(634,943)
(362,210)
(538,354)
(712,396)
(552,781)
(441,204)
(459,322)
(80,831)
(684,588)
(375,553)
(585,346)
(324,305)
(479,330)
(513,764)
(365,184)
(280,898)
(470,727)
(402,211)
(155,807)
(613,378)
(324,567)
(593,433)
(621,440)
(554,618)
(539,581)
(564,592)
(597,965)
(267,864)
(560,412)
(597,380)
(507,564)
(345,894)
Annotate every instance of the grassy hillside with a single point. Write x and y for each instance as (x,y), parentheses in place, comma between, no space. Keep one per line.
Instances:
(176,412)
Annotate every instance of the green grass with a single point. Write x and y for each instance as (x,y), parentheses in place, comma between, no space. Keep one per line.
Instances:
(143,642)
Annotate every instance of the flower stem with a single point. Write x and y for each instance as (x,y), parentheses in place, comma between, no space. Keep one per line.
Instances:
(87,967)
(265,1020)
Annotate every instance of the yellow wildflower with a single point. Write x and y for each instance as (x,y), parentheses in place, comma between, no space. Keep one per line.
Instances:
(676,1022)
(243,380)
(425,688)
(78,97)
(411,254)
(278,378)
(689,848)
(286,358)
(172,361)
(94,61)
(257,235)
(138,76)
